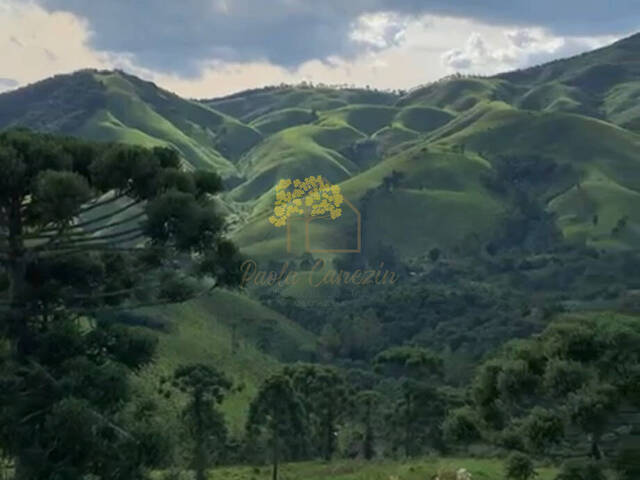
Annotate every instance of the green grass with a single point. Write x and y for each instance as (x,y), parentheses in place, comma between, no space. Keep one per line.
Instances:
(253,104)
(425,469)
(201,331)
(367,119)
(264,135)
(390,138)
(554,97)
(132,111)
(581,141)
(591,211)
(296,153)
(104,126)
(622,105)
(282,119)
(443,200)
(423,119)
(122,108)
(459,94)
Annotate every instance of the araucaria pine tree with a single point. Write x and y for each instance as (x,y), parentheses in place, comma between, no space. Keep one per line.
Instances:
(88,228)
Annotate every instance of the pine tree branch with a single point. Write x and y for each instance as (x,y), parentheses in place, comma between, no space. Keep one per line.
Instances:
(137,306)
(85,244)
(102,203)
(114,224)
(109,215)
(94,413)
(56,231)
(147,287)
(100,238)
(70,233)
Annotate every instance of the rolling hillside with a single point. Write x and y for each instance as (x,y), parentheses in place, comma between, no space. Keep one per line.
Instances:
(444,139)
(445,167)
(228,330)
(579,114)
(114,106)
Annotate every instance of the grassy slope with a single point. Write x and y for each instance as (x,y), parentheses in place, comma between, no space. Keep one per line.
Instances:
(250,105)
(605,157)
(621,105)
(460,94)
(423,119)
(444,194)
(367,119)
(114,106)
(442,197)
(135,108)
(282,119)
(200,331)
(297,152)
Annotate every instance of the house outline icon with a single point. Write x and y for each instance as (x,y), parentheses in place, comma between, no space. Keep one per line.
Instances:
(307,239)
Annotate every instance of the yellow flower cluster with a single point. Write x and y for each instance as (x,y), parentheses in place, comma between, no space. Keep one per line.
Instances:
(312,196)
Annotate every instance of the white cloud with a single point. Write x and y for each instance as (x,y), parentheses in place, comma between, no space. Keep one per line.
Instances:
(517,48)
(521,38)
(35,44)
(401,52)
(379,30)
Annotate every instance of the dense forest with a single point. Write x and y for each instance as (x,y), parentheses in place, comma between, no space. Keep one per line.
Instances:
(567,389)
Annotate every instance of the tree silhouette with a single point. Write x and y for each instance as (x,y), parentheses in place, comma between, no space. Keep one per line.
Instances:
(206,388)
(277,412)
(86,229)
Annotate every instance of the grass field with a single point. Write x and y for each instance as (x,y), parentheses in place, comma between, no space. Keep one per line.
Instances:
(426,469)
(200,331)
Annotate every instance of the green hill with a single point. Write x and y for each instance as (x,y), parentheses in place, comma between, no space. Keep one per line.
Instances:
(581,113)
(281,119)
(448,168)
(229,331)
(114,106)
(255,103)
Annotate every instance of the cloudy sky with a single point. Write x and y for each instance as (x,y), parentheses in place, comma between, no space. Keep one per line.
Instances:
(208,48)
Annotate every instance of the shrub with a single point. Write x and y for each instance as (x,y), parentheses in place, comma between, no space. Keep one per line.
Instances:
(461,426)
(519,467)
(627,463)
(580,469)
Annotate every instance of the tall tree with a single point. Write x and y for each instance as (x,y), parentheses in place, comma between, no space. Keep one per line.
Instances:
(88,228)
(326,398)
(367,405)
(206,388)
(579,371)
(419,407)
(278,413)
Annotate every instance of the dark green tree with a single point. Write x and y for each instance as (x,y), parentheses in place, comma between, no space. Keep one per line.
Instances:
(205,387)
(462,426)
(277,413)
(578,372)
(367,408)
(89,228)
(326,398)
(419,409)
(519,467)
(580,469)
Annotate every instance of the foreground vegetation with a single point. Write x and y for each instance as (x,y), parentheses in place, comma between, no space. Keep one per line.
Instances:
(515,326)
(482,469)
